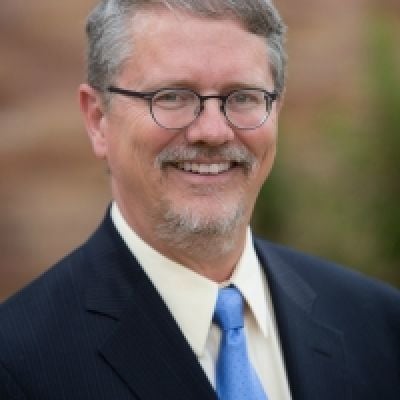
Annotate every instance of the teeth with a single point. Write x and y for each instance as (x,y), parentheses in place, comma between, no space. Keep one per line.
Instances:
(207,169)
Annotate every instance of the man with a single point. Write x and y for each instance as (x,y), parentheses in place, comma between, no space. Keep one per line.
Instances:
(182,103)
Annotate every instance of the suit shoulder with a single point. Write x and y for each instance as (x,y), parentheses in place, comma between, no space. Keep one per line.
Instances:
(59,294)
(30,308)
(71,270)
(35,319)
(326,277)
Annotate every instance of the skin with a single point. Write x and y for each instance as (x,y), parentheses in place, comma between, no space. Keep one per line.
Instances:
(211,57)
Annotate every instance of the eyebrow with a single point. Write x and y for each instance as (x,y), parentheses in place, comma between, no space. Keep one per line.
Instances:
(192,85)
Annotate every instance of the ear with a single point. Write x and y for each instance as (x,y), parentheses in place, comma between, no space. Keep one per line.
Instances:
(93,113)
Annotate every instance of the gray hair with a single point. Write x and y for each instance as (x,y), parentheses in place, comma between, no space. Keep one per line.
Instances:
(110,44)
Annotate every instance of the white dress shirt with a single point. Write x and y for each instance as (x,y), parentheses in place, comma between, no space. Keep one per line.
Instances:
(191,299)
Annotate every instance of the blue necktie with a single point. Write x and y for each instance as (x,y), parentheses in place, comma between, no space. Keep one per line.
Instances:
(235,377)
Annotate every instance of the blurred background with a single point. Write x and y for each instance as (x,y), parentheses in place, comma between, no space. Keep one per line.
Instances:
(335,188)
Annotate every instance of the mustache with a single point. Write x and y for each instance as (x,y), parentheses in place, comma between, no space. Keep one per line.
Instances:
(237,154)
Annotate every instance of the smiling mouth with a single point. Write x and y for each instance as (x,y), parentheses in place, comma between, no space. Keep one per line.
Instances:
(205,169)
(207,161)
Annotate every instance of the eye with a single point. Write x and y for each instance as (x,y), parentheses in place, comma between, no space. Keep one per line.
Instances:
(241,98)
(245,99)
(173,99)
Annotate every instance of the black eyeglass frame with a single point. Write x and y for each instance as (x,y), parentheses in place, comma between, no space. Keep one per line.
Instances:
(269,96)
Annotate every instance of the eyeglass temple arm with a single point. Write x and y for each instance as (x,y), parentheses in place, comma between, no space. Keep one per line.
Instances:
(130,93)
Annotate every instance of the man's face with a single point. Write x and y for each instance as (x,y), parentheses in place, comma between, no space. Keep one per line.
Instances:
(209,57)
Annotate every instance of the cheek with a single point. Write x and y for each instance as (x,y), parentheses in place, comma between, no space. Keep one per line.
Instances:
(262,143)
(134,145)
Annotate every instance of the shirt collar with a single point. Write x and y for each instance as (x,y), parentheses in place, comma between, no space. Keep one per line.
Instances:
(193,304)
(249,278)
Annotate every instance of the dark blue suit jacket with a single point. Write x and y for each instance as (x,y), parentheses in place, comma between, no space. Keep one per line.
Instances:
(93,327)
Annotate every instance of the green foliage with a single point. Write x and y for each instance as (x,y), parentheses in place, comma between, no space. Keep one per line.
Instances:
(384,72)
(269,217)
(341,199)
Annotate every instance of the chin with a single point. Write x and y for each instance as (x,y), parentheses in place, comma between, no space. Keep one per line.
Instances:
(191,225)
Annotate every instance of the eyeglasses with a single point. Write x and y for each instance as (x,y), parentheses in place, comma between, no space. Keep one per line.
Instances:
(178,108)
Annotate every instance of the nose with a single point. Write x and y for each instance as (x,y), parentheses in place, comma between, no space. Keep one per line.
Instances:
(210,127)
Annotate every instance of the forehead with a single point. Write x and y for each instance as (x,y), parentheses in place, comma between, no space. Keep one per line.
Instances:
(175,46)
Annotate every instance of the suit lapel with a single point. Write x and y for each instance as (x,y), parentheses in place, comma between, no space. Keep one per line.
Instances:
(145,346)
(313,351)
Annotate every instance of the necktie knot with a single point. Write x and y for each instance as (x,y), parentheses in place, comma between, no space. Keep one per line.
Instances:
(229,309)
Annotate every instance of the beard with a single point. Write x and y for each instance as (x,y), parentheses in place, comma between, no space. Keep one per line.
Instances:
(207,234)
(210,227)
